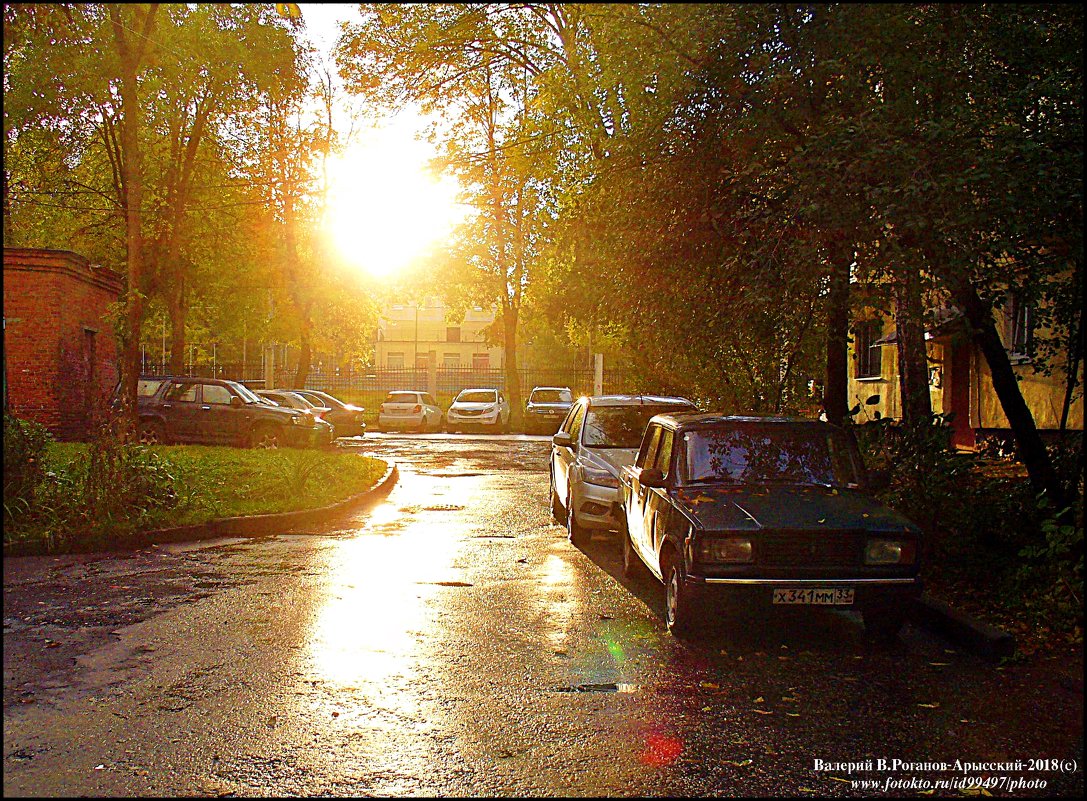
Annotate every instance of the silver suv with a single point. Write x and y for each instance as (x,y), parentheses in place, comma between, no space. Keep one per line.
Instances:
(599,437)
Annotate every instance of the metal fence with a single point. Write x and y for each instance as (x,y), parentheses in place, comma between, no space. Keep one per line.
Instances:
(368,388)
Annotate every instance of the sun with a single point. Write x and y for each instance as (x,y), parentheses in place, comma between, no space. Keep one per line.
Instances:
(385,208)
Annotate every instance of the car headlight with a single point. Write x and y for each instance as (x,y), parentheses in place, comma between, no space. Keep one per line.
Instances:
(303,420)
(603,478)
(890,552)
(724,549)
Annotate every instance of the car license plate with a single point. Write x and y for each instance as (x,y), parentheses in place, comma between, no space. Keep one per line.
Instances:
(823,596)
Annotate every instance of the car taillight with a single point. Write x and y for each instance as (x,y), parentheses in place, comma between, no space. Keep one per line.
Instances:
(417,409)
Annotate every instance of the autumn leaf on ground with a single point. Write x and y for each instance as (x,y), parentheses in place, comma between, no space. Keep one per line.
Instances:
(792,714)
(760,700)
(709,685)
(763,711)
(930,706)
(836,779)
(743,763)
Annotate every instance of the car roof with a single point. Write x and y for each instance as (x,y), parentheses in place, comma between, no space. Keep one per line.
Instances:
(560,389)
(699,419)
(478,389)
(638,400)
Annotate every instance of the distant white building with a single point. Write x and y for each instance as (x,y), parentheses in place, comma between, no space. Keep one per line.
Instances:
(408,333)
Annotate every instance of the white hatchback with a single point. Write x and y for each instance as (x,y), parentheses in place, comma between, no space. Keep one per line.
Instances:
(409,410)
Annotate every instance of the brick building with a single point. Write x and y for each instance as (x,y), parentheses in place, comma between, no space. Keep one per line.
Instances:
(60,352)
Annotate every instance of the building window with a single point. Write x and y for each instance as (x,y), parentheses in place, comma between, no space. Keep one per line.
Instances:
(451,360)
(395,361)
(481,361)
(452,333)
(1020,327)
(867,353)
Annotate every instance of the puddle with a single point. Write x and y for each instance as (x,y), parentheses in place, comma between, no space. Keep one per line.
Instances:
(597,688)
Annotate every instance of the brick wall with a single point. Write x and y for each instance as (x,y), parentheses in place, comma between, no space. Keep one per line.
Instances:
(59,348)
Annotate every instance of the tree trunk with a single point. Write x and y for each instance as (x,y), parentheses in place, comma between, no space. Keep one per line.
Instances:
(1031,449)
(513,378)
(304,350)
(178,307)
(836,389)
(912,355)
(132,178)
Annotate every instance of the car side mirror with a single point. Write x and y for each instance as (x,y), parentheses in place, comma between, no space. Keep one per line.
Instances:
(877,480)
(236,402)
(652,477)
(563,439)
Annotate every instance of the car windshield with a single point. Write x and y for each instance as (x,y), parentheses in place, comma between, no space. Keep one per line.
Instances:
(245,392)
(146,387)
(401,397)
(620,426)
(767,454)
(322,399)
(298,401)
(550,396)
(478,396)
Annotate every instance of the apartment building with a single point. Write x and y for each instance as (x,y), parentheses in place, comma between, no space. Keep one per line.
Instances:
(409,334)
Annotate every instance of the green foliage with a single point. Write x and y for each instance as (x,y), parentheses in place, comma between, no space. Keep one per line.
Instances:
(1050,581)
(118,488)
(24,465)
(986,530)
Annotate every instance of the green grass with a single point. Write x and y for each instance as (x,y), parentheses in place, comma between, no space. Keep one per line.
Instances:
(218,482)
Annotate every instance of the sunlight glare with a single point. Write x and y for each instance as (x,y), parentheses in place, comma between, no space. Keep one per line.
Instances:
(385,207)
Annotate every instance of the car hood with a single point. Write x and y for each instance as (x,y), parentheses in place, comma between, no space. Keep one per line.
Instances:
(779,507)
(473,407)
(614,459)
(558,407)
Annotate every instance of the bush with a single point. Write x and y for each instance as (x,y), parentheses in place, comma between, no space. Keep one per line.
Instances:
(24,465)
(92,502)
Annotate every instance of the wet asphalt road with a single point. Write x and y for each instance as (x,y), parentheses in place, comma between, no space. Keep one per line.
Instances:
(452,642)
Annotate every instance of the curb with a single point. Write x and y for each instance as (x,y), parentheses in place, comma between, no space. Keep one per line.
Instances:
(257,525)
(981,638)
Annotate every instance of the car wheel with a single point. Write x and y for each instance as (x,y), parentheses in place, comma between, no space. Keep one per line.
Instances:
(265,437)
(557,511)
(579,535)
(679,606)
(883,622)
(152,433)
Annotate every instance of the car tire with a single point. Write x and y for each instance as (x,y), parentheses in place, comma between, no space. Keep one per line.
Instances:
(680,611)
(152,433)
(883,622)
(557,510)
(578,534)
(266,436)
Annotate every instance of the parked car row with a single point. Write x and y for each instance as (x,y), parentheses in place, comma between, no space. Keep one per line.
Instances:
(471,410)
(752,512)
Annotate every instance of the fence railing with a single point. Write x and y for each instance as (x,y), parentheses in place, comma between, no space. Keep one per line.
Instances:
(368,388)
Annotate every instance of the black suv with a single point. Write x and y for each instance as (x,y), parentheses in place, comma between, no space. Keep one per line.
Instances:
(211,411)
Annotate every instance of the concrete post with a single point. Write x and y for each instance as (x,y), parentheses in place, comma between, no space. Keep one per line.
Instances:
(432,373)
(598,374)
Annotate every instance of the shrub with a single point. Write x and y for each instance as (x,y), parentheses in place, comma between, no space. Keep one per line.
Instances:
(24,453)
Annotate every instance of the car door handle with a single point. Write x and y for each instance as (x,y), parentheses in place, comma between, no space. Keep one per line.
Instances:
(167,406)
(206,408)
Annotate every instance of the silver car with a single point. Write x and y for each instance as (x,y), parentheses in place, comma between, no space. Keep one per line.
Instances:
(478,408)
(599,437)
(411,410)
